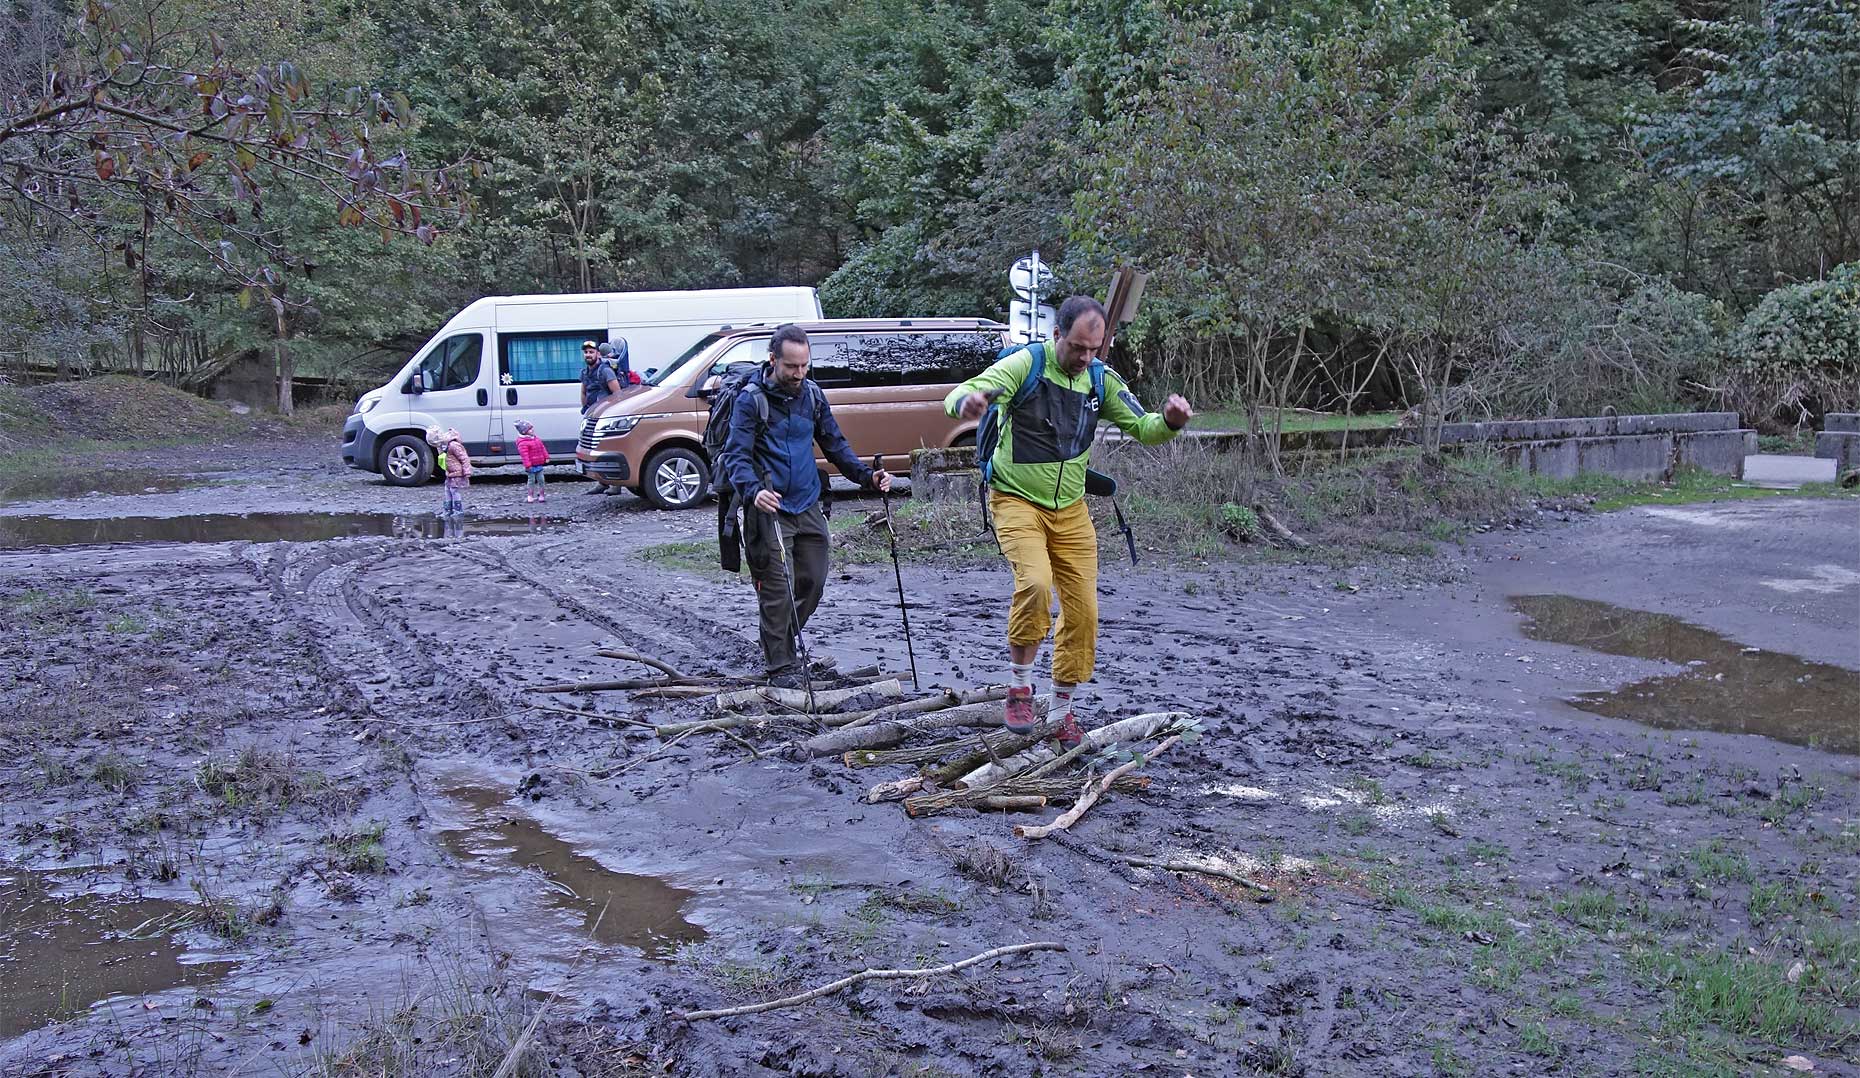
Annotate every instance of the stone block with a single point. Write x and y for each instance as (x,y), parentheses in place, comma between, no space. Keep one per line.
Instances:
(1841,447)
(1840,423)
(1720,452)
(1777,470)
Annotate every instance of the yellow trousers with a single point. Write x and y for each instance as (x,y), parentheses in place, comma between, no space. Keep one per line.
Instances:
(1051,551)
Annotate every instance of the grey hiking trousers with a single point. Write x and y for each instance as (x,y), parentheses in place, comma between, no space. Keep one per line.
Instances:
(806,536)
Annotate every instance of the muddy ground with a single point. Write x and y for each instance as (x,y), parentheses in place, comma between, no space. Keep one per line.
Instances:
(286,807)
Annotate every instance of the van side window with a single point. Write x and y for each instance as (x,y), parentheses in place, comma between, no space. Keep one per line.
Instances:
(532,358)
(827,360)
(454,363)
(943,358)
(755,350)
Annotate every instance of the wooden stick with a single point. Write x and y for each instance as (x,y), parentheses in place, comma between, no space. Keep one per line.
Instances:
(596,715)
(1014,744)
(1093,793)
(894,791)
(867,975)
(1000,740)
(1135,728)
(1192,866)
(1056,762)
(675,692)
(647,660)
(744,742)
(879,734)
(585,686)
(1052,788)
(1011,803)
(928,703)
(797,698)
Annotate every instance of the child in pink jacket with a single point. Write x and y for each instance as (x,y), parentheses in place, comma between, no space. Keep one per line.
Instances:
(449,449)
(535,458)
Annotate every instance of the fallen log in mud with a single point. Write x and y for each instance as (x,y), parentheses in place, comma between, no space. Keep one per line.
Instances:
(1134,728)
(823,699)
(1053,789)
(891,732)
(867,975)
(1094,791)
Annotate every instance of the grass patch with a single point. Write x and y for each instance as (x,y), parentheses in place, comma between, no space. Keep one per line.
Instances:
(1740,997)
(1688,485)
(1715,862)
(696,556)
(41,605)
(114,773)
(1591,908)
(359,851)
(257,781)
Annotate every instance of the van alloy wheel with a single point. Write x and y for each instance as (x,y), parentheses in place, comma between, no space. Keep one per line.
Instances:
(402,463)
(677,480)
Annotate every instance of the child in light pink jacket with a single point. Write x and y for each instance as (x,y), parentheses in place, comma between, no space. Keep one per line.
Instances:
(449,449)
(535,458)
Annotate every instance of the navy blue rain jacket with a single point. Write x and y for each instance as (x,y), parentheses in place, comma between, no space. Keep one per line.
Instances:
(783,452)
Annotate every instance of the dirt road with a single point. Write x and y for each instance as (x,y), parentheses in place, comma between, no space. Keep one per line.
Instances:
(318,770)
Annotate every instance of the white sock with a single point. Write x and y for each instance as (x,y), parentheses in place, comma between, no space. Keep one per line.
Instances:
(1020,675)
(1064,696)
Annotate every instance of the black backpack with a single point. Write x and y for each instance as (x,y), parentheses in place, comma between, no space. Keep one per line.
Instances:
(736,381)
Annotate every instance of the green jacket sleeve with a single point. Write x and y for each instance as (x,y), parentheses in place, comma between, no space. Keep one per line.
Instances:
(1122,408)
(1005,375)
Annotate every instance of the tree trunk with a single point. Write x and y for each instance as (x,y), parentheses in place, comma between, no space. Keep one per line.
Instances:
(286,370)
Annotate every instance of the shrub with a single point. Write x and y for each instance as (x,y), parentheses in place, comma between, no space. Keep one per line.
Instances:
(1797,353)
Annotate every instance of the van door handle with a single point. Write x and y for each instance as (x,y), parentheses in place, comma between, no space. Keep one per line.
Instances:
(483,398)
(510,396)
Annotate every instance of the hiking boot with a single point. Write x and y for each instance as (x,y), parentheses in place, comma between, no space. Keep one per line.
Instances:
(788,677)
(1020,718)
(1069,734)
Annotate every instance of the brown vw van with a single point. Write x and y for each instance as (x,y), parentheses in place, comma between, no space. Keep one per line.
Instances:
(885,378)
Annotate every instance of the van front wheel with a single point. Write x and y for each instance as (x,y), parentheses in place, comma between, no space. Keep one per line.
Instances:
(675,478)
(406,461)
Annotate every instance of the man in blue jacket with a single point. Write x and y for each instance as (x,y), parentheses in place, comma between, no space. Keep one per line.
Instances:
(769,462)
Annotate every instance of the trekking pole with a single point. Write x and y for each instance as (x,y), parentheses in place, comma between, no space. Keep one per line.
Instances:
(794,621)
(878,465)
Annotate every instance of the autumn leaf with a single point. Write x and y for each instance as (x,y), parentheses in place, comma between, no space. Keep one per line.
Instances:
(106,165)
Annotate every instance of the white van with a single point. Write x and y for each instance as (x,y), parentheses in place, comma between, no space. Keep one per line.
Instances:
(506,358)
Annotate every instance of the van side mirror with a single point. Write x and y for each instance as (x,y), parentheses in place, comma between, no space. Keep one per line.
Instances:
(417,384)
(701,391)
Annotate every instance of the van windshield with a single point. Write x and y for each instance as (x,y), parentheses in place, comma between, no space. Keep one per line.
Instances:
(665,373)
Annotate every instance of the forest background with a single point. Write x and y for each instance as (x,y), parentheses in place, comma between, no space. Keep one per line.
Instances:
(1465,208)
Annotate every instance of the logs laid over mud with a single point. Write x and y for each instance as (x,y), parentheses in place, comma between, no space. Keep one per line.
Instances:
(961,761)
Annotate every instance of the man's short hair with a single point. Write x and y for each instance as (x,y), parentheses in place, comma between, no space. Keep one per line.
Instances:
(784,335)
(1075,308)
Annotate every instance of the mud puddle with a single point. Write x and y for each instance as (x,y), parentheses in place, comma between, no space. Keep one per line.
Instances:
(1726,687)
(60,955)
(27,531)
(641,912)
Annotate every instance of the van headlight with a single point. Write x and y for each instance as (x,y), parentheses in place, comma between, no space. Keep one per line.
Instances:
(618,425)
(365,404)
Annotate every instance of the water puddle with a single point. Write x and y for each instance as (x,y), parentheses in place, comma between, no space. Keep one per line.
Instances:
(60,955)
(1726,687)
(29,531)
(641,912)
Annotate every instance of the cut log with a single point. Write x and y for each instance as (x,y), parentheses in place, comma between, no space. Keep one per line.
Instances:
(1279,532)
(1057,762)
(824,699)
(675,692)
(1013,803)
(1093,792)
(1053,789)
(1014,743)
(928,703)
(891,732)
(1135,728)
(1000,741)
(894,791)
(1203,867)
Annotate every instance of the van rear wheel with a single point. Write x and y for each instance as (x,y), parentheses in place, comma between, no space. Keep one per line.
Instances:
(675,478)
(406,461)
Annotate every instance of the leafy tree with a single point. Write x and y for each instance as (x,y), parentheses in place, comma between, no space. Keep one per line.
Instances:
(1771,132)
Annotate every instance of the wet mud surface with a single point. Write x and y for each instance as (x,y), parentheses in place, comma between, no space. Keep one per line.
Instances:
(328,755)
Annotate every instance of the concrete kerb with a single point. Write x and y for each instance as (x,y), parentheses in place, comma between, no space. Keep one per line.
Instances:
(1635,447)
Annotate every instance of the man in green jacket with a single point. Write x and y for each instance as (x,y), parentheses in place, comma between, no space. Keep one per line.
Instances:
(1038,497)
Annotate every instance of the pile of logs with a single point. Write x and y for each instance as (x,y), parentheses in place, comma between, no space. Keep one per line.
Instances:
(960,756)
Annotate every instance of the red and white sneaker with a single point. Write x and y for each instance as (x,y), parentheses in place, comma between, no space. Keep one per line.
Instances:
(1069,734)
(1020,718)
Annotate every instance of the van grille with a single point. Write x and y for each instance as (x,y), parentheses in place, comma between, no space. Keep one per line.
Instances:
(588,440)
